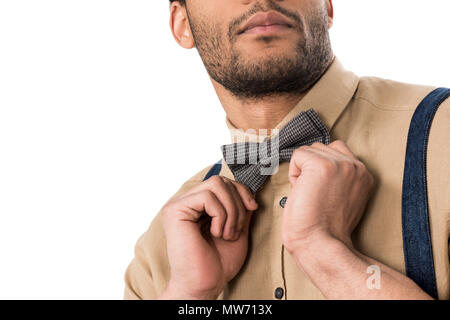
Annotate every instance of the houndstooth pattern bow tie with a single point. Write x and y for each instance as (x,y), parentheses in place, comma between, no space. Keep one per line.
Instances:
(252,163)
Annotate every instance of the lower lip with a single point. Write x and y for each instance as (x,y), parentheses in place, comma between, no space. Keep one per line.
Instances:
(267,30)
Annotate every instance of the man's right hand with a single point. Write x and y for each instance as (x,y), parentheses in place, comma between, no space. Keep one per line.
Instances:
(207,237)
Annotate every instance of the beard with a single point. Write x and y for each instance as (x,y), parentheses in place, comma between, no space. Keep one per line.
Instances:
(245,77)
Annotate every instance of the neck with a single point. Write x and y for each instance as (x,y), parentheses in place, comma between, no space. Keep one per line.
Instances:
(256,114)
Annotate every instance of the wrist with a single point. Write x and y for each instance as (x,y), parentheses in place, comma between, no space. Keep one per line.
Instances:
(318,248)
(174,291)
(316,239)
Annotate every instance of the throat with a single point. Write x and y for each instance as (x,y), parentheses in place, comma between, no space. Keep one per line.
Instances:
(260,115)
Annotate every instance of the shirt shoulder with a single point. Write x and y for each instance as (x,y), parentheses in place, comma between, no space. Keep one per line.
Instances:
(390,95)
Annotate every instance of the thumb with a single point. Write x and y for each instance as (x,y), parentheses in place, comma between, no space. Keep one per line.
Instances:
(295,164)
(301,158)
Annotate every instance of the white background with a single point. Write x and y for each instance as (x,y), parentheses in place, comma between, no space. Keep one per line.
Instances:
(91,89)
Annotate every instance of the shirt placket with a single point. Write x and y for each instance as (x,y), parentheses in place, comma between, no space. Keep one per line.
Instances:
(279,281)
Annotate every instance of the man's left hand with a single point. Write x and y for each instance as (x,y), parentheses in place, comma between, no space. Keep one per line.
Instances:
(330,190)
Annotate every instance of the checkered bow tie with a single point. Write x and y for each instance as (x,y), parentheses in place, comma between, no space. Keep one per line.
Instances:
(251,162)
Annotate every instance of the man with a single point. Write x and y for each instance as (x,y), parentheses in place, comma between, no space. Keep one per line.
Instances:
(328,222)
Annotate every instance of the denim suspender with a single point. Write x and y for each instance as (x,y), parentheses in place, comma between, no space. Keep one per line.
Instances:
(214,171)
(415,221)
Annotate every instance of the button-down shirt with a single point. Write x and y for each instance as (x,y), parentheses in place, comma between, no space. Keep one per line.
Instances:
(372,116)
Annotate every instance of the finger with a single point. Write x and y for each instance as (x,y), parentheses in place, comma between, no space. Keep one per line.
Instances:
(299,157)
(331,153)
(242,210)
(234,222)
(330,150)
(342,147)
(203,185)
(247,195)
(344,163)
(205,202)
(312,157)
(223,192)
(247,220)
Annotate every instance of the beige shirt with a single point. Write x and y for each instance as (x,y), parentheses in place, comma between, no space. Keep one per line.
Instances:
(372,116)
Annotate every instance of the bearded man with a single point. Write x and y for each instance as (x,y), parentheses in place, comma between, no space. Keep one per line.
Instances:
(348,211)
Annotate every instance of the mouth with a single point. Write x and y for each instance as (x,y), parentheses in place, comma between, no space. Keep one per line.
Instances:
(266,23)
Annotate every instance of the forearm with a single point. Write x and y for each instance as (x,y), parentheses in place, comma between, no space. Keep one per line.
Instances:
(341,273)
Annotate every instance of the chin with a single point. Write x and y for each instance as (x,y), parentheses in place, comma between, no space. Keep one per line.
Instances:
(268,43)
(271,52)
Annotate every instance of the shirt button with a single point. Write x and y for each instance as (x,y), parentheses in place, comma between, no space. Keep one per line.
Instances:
(283,202)
(279,293)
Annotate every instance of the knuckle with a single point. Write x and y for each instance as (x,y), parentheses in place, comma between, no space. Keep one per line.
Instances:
(229,183)
(243,186)
(348,168)
(221,214)
(214,181)
(338,143)
(328,167)
(364,174)
(207,195)
(317,144)
(167,210)
(361,169)
(297,152)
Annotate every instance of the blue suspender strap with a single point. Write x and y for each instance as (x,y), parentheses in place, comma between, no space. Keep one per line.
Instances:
(214,171)
(417,246)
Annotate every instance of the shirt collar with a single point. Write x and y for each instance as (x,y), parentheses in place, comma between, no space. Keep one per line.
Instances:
(328,97)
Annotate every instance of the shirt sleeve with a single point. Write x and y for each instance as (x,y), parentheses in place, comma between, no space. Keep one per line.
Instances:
(138,278)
